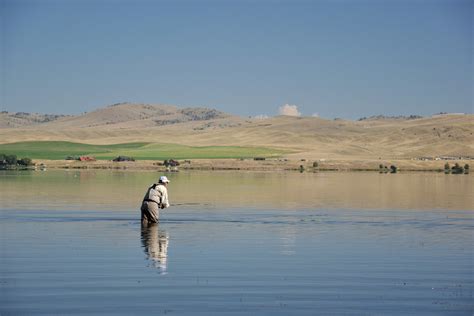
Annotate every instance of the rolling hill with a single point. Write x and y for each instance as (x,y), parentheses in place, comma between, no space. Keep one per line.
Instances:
(308,137)
(133,115)
(23,119)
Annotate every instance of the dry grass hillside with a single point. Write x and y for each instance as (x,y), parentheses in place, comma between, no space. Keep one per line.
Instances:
(23,119)
(127,115)
(307,137)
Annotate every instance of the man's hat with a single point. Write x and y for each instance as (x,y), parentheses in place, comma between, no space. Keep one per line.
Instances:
(164,179)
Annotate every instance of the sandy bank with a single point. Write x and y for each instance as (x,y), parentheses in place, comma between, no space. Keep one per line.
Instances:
(258,165)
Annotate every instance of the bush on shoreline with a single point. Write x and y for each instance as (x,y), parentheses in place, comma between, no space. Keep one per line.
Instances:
(456,169)
(12,162)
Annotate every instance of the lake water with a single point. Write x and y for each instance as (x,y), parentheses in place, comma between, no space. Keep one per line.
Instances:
(237,244)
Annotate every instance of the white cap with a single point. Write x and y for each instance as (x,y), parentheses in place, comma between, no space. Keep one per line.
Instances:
(164,179)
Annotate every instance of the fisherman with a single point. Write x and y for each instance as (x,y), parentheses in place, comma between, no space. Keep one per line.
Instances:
(156,198)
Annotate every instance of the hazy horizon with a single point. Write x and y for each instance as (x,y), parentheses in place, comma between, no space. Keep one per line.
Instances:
(250,116)
(343,59)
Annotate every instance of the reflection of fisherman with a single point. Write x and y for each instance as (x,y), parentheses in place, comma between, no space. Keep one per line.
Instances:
(155,198)
(156,245)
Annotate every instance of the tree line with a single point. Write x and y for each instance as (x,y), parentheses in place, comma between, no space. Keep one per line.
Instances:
(13,161)
(456,169)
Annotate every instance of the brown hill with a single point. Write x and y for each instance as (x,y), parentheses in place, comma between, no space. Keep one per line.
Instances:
(22,119)
(307,137)
(126,115)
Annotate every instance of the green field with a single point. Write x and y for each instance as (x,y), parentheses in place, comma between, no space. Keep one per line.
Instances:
(141,151)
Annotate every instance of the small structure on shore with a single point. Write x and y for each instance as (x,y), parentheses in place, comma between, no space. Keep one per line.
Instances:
(86,158)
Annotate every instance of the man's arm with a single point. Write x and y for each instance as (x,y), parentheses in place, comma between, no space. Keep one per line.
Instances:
(164,198)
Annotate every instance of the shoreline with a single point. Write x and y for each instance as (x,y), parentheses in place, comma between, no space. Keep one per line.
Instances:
(280,165)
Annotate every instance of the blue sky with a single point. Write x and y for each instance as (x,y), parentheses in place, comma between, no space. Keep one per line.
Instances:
(341,58)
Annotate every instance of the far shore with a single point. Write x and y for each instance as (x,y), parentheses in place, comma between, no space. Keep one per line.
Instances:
(272,164)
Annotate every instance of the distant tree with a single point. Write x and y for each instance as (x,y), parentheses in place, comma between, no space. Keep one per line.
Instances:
(447,168)
(123,158)
(315,164)
(171,163)
(457,169)
(466,168)
(383,168)
(301,168)
(11,159)
(25,162)
(393,169)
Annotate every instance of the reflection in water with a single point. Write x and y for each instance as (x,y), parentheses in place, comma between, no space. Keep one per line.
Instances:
(65,190)
(155,242)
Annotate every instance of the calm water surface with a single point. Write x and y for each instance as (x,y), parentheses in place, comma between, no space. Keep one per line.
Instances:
(237,243)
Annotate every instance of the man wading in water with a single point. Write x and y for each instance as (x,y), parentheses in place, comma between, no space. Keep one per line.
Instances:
(155,198)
